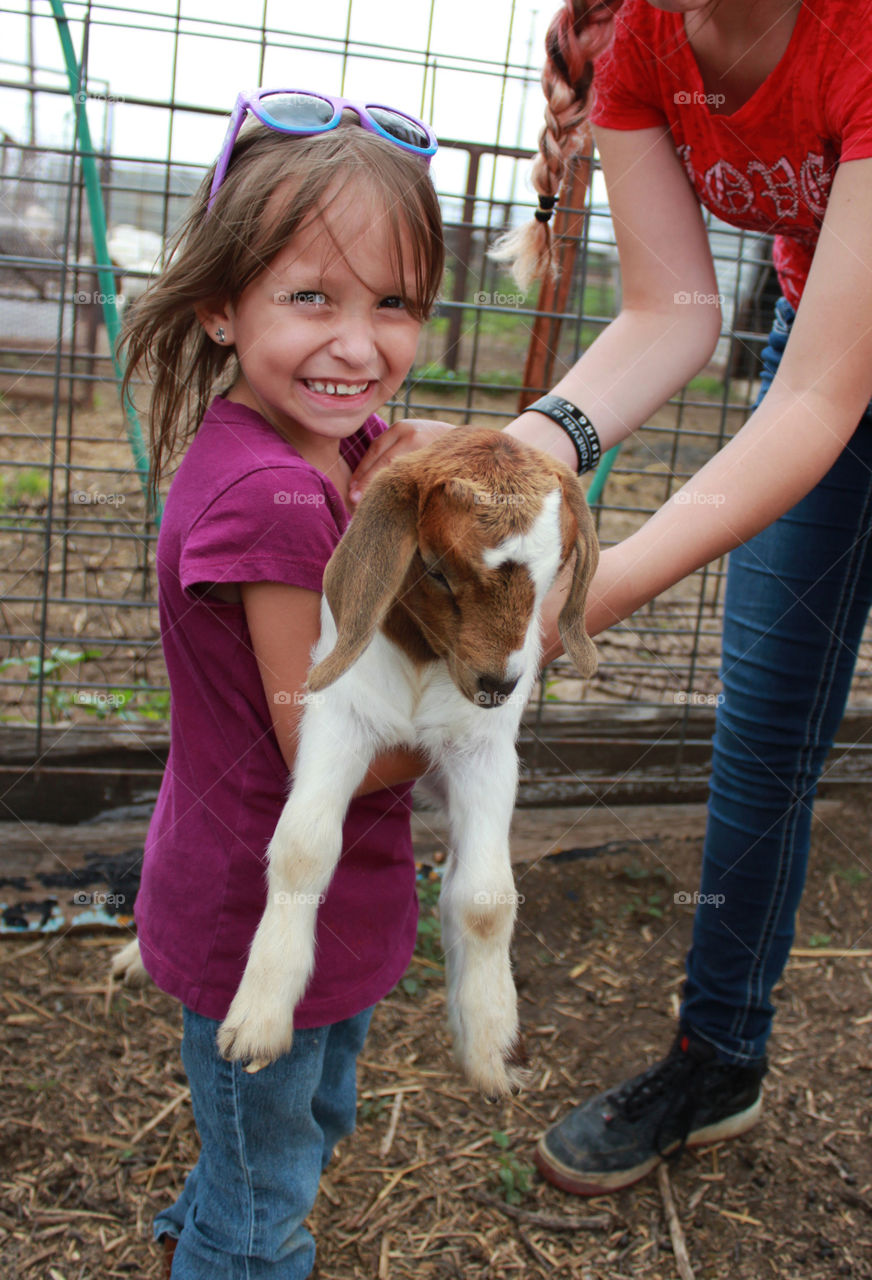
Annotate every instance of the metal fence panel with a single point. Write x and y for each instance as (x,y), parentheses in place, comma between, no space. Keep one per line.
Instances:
(80,649)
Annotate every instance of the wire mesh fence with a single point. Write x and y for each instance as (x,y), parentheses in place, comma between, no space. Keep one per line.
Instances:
(81,659)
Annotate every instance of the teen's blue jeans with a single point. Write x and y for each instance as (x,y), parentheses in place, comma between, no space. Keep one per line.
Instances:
(797,598)
(265,1140)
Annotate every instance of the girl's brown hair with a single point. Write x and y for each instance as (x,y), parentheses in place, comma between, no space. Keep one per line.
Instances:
(579,32)
(216,256)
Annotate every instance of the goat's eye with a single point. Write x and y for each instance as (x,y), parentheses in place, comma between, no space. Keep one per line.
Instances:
(439,579)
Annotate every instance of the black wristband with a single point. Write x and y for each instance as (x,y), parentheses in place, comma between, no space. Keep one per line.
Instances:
(577,426)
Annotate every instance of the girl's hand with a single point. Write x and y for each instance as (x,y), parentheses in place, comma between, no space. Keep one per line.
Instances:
(402,437)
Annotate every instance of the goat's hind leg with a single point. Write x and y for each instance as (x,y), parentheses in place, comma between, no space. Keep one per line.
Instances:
(332,758)
(478,905)
(127,967)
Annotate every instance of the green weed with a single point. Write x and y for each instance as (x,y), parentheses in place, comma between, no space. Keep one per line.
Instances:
(512,1176)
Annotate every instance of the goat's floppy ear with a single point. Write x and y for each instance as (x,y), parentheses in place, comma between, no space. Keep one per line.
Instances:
(570,623)
(366,571)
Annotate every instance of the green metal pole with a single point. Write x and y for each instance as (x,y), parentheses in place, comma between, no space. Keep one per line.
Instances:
(601,475)
(105,276)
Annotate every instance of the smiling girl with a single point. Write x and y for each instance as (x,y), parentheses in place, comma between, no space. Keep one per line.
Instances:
(299,284)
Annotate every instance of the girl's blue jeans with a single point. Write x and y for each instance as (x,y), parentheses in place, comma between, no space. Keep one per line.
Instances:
(265,1140)
(797,598)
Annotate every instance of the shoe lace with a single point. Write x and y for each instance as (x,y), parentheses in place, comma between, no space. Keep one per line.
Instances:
(678,1079)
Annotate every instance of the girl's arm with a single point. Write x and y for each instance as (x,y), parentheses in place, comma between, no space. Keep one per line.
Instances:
(284,623)
(806,419)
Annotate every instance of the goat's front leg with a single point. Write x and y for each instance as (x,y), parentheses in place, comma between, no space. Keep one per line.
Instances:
(332,758)
(477,907)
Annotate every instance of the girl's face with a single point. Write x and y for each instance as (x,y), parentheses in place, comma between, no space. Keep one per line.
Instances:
(322,335)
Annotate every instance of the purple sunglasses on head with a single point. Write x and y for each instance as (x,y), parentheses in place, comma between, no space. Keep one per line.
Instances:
(302,114)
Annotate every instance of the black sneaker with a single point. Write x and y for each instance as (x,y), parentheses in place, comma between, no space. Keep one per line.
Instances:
(687,1100)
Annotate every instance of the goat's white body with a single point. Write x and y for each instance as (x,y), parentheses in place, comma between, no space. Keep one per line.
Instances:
(382,700)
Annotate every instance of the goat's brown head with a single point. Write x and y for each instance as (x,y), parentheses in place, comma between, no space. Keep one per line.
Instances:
(451,551)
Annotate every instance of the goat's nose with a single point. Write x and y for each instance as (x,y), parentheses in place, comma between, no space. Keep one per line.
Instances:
(493,692)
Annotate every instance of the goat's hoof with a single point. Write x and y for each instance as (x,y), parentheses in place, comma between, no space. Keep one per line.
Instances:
(239,1042)
(510,1083)
(127,967)
(504,1076)
(518,1055)
(515,1081)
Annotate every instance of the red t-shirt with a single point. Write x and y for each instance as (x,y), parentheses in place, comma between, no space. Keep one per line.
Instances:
(245,507)
(769,166)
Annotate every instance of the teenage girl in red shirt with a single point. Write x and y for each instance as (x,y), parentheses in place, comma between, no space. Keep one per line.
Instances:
(760,110)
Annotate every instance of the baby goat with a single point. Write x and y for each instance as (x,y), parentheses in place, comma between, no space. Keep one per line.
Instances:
(430,637)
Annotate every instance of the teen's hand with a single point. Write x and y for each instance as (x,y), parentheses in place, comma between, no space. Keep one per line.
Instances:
(402,437)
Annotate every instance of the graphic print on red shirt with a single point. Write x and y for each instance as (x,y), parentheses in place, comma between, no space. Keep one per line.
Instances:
(769,165)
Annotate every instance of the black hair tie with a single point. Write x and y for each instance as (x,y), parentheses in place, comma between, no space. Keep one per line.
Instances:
(546,208)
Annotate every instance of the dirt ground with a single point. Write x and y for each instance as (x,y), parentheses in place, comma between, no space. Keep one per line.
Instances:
(437,1184)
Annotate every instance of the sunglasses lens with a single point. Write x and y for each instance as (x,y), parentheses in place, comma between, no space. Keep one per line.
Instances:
(296,110)
(400,127)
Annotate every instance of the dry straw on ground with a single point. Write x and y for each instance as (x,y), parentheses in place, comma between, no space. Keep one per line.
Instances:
(96,1132)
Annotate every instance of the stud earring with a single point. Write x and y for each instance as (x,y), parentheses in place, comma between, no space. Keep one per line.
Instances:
(219,333)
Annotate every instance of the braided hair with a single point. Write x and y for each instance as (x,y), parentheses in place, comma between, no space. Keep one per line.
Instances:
(579,32)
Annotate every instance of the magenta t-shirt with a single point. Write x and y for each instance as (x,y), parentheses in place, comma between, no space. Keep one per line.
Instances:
(245,507)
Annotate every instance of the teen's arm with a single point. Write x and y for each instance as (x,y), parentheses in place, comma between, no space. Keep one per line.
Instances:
(806,419)
(284,623)
(669,321)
